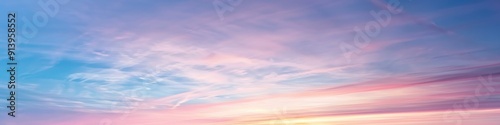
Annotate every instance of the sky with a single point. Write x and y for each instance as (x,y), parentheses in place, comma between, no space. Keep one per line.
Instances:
(254,62)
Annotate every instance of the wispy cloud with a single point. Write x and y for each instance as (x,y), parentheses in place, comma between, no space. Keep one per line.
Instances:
(176,62)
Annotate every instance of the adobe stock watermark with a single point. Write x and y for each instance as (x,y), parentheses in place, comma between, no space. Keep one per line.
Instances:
(41,18)
(223,6)
(363,36)
(461,110)
(38,20)
(281,117)
(130,103)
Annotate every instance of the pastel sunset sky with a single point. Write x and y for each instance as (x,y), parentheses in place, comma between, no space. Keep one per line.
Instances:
(254,62)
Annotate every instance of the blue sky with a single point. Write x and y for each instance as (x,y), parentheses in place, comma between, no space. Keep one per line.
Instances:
(98,60)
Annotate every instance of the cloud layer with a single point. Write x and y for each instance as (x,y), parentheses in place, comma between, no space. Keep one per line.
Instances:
(267,62)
